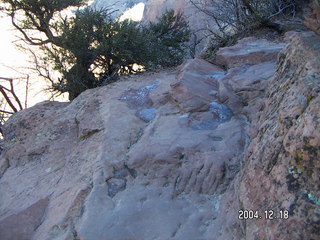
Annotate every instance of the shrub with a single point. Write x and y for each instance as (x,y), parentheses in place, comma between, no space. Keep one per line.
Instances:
(91,49)
(169,36)
(234,18)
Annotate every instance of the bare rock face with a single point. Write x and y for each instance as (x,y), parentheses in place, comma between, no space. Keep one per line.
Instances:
(198,21)
(313,20)
(249,51)
(154,9)
(165,155)
(195,77)
(126,161)
(282,167)
(24,223)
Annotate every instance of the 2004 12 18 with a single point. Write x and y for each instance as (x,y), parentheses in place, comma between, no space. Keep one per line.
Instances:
(266,214)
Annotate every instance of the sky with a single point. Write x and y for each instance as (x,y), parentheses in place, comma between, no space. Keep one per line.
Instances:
(15,64)
(9,56)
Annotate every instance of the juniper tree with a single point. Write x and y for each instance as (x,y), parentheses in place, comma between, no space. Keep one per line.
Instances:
(89,48)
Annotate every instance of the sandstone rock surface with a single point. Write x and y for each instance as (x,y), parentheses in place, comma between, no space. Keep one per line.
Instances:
(282,167)
(125,161)
(248,51)
(171,155)
(313,20)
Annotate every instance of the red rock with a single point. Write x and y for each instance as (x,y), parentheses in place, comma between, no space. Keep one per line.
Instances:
(281,163)
(248,51)
(196,79)
(313,20)
(183,174)
(21,226)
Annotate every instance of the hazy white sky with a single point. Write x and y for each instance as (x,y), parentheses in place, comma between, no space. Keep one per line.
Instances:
(9,55)
(135,13)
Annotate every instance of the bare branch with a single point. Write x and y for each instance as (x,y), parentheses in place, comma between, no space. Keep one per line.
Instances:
(281,10)
(8,100)
(15,96)
(26,93)
(6,112)
(25,35)
(7,79)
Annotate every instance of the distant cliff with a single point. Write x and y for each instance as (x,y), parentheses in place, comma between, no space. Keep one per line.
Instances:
(119,5)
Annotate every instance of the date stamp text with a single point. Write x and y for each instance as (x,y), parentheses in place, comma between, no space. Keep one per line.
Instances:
(265,214)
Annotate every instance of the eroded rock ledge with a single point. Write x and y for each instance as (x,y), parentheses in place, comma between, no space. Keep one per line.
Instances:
(173,155)
(282,163)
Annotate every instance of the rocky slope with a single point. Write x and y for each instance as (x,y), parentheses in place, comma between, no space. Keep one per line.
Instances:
(174,154)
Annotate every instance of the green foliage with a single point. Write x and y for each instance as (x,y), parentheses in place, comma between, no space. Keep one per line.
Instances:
(91,49)
(106,48)
(169,34)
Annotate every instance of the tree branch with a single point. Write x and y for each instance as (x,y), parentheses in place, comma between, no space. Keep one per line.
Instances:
(6,112)
(8,100)
(14,95)
(25,35)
